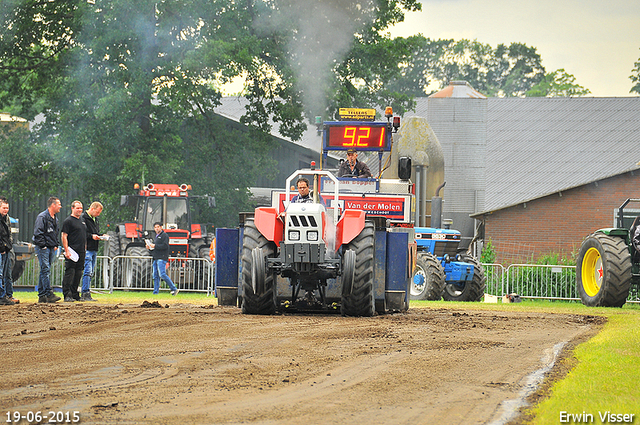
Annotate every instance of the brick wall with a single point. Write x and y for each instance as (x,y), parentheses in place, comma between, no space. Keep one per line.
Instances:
(557,224)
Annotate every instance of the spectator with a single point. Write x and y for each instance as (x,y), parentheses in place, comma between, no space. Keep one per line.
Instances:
(74,243)
(6,245)
(93,237)
(45,239)
(160,253)
(352,167)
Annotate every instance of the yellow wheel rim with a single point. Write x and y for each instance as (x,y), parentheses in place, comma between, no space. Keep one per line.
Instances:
(592,272)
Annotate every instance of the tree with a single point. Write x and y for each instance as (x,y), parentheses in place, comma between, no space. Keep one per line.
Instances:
(635,78)
(556,84)
(127,90)
(504,71)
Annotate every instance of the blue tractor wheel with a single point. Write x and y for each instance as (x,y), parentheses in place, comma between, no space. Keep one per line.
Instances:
(428,278)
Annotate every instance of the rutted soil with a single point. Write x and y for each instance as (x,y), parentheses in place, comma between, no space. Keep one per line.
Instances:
(185,363)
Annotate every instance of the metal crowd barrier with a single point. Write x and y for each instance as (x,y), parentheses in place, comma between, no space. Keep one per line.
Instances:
(536,281)
(126,272)
(188,274)
(552,282)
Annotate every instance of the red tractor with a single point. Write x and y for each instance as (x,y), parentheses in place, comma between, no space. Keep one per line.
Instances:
(167,204)
(326,255)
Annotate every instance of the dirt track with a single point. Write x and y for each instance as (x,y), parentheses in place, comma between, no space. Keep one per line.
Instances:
(206,364)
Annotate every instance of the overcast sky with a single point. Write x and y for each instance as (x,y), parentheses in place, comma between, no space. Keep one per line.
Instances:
(597,41)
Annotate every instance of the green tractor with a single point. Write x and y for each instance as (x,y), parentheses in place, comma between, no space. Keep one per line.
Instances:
(609,263)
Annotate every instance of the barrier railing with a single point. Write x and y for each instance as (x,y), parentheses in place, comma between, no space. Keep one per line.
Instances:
(126,272)
(188,274)
(536,281)
(197,275)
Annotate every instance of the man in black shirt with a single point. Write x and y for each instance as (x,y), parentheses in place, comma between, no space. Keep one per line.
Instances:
(45,239)
(160,253)
(74,242)
(93,237)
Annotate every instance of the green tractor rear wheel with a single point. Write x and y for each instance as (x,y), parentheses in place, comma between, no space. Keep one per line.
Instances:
(603,271)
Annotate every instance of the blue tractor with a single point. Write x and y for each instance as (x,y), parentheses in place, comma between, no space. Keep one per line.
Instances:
(443,272)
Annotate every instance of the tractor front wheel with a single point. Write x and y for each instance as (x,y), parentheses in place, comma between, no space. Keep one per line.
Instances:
(428,279)
(603,271)
(258,285)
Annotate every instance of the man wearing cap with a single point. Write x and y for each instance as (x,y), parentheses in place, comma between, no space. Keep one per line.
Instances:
(352,167)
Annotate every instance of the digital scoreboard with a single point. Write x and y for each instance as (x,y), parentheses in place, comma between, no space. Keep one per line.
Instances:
(361,136)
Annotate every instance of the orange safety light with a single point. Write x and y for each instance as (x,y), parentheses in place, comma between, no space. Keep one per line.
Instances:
(388,112)
(136,186)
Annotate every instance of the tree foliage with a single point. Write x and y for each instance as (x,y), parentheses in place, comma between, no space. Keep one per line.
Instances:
(635,78)
(502,71)
(125,91)
(505,71)
(556,84)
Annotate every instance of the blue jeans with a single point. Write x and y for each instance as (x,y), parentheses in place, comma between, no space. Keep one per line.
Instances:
(89,269)
(46,257)
(6,289)
(160,272)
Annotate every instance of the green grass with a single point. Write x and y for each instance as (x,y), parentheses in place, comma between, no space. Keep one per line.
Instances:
(605,377)
(132,297)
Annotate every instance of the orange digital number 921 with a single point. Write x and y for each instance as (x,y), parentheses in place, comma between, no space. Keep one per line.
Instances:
(357,136)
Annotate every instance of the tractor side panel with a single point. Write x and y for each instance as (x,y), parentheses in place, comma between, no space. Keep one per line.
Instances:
(380,270)
(398,271)
(226,276)
(269,224)
(350,225)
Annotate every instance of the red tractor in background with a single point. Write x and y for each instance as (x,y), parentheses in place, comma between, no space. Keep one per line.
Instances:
(170,205)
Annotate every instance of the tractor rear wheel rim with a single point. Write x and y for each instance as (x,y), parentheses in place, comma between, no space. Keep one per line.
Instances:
(592,272)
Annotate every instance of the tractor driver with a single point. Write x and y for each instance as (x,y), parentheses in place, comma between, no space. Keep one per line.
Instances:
(352,167)
(303,192)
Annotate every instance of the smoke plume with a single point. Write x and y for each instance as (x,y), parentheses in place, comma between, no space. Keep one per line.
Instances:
(323,32)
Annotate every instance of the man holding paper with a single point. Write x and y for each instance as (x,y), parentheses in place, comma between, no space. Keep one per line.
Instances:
(74,243)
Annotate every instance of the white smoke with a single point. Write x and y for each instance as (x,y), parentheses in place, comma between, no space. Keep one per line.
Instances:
(323,35)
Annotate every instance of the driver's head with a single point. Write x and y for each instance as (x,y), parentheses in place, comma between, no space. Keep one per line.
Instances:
(352,155)
(303,186)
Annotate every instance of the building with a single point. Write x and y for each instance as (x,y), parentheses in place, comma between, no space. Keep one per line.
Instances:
(556,169)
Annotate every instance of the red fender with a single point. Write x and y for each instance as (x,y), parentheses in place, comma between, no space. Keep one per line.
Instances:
(269,224)
(350,225)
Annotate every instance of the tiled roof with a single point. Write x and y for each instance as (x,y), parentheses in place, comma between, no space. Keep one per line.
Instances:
(540,146)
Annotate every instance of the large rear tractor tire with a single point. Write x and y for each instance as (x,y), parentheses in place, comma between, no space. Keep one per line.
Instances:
(16,267)
(428,279)
(358,300)
(603,271)
(258,285)
(472,291)
(139,274)
(113,250)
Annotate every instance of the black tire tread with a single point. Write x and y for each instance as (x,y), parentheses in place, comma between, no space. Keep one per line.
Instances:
(616,260)
(361,300)
(253,303)
(474,290)
(434,275)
